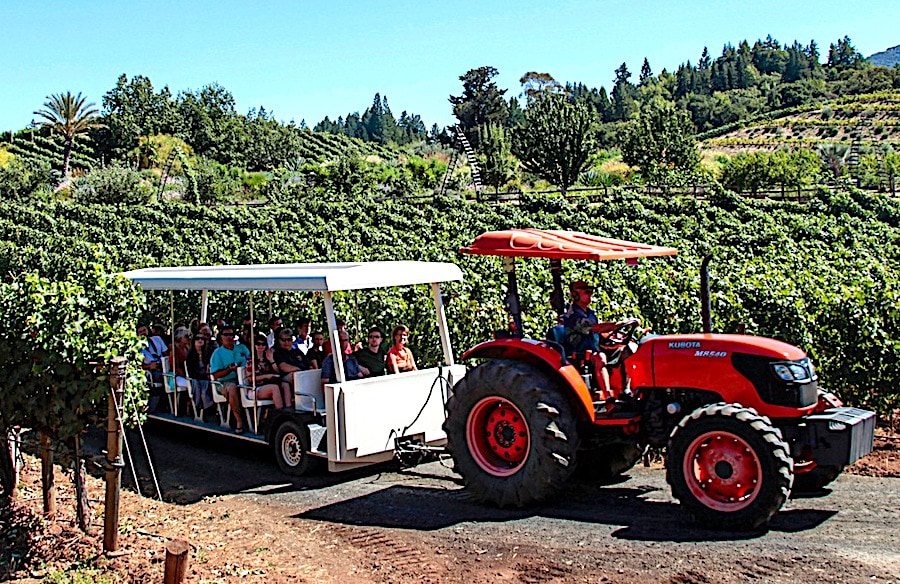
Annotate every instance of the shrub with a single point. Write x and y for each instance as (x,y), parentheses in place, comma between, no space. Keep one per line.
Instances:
(216,183)
(5,157)
(112,185)
(23,178)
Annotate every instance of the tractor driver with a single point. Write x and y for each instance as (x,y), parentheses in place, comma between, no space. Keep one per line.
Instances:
(582,330)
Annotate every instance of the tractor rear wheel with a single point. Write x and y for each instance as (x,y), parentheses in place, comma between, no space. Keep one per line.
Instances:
(729,466)
(512,433)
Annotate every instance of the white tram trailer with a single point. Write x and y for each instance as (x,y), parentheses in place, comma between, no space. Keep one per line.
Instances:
(350,423)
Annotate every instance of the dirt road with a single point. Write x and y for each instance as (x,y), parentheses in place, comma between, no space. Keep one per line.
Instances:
(394,525)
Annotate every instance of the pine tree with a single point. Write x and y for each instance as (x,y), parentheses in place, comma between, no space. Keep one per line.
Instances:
(646,72)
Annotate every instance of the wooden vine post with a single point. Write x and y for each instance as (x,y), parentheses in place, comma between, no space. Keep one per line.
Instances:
(114,463)
(176,561)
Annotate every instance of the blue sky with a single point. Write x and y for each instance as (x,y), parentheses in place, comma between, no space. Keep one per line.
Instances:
(308,59)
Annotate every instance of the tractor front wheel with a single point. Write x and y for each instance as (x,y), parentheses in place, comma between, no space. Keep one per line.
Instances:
(729,466)
(512,433)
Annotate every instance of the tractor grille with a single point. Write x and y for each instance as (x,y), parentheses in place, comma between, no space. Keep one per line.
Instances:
(772,389)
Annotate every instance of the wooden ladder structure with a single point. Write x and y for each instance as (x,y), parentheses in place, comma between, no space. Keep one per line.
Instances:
(461,146)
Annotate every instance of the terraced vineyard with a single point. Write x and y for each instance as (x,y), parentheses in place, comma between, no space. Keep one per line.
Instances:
(872,119)
(39,149)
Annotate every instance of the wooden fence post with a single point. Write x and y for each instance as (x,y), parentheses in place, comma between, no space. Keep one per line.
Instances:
(48,476)
(82,501)
(114,463)
(176,561)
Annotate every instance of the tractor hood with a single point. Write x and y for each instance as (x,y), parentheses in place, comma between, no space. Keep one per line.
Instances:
(703,344)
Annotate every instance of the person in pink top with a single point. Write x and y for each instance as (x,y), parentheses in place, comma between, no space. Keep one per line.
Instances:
(399,357)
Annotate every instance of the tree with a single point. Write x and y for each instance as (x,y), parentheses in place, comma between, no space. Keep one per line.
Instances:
(834,157)
(68,115)
(480,103)
(556,139)
(660,142)
(535,84)
(843,55)
(212,125)
(379,122)
(624,94)
(133,109)
(646,73)
(494,155)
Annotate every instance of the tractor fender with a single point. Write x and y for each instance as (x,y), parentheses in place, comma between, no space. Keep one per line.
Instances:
(544,356)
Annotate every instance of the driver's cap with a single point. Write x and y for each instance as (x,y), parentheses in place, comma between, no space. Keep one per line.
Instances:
(581,285)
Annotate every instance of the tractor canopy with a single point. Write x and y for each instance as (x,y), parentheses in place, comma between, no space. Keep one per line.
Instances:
(560,245)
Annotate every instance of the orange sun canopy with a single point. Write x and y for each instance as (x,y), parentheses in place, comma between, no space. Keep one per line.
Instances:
(570,245)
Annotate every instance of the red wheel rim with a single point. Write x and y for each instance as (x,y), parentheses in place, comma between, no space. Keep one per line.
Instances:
(498,436)
(722,471)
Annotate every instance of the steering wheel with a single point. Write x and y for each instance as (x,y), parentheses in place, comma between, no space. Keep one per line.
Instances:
(624,333)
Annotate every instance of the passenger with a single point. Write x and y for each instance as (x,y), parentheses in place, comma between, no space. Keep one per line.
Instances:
(198,371)
(246,336)
(211,343)
(342,326)
(304,341)
(178,356)
(372,357)
(224,364)
(274,324)
(317,352)
(582,328)
(289,361)
(399,357)
(153,354)
(352,369)
(266,376)
(158,330)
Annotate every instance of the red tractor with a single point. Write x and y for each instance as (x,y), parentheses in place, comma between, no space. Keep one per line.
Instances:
(741,416)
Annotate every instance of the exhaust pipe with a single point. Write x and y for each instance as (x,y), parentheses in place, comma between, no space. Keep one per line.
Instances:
(705,307)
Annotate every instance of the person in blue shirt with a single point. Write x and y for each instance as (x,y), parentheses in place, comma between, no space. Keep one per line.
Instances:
(223,367)
(583,332)
(352,369)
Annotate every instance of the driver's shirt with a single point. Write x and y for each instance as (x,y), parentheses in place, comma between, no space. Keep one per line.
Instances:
(578,322)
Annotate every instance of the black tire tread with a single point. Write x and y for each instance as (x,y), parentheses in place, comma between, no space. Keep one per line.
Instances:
(777,482)
(308,463)
(552,425)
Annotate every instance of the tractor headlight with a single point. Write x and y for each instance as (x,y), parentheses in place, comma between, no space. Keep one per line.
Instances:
(794,371)
(782,371)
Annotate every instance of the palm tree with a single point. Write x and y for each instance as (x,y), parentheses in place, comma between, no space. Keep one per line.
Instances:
(69,115)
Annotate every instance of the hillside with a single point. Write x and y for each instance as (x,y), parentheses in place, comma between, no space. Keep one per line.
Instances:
(871,119)
(886,58)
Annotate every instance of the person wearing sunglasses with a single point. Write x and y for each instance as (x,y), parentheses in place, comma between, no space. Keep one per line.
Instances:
(266,375)
(289,360)
(197,363)
(223,365)
(372,357)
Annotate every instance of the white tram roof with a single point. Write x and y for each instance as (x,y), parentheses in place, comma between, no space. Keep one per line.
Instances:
(316,277)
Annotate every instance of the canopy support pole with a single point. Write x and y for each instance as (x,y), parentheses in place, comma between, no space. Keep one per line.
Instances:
(443,332)
(335,340)
(204,305)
